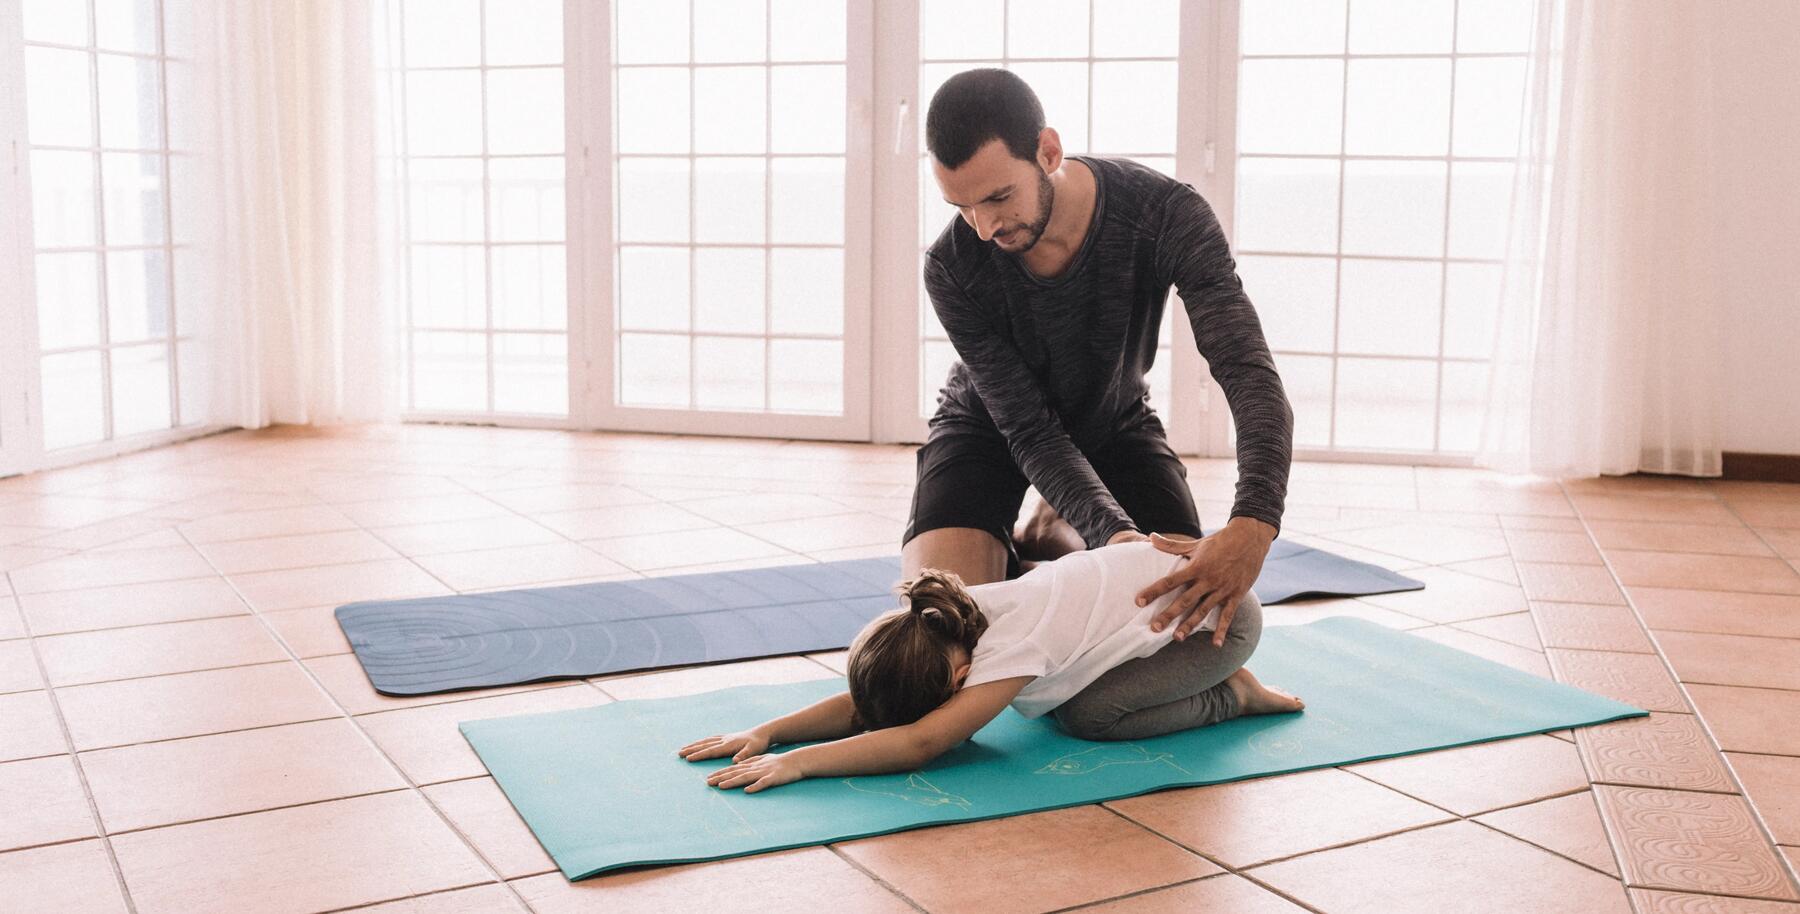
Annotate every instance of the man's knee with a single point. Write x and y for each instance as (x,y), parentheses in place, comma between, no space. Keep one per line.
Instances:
(977,556)
(1042,535)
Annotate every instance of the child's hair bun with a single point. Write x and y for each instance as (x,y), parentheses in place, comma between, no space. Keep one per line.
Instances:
(937,599)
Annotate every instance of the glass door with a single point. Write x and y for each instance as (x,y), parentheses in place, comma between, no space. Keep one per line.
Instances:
(1373,169)
(15,394)
(104,294)
(480,90)
(105,313)
(730,199)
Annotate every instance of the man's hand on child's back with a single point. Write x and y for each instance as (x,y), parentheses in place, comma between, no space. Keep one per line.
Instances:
(1220,569)
(740,745)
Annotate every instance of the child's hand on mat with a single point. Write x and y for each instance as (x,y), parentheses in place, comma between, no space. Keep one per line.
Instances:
(740,745)
(757,773)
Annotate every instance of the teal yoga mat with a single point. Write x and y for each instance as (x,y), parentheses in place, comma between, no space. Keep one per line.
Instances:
(602,787)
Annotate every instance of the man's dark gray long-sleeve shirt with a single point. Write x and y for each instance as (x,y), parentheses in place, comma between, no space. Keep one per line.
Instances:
(1057,366)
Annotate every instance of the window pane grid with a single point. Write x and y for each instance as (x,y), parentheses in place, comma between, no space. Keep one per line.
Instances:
(489,68)
(1368,395)
(485,307)
(105,347)
(967,62)
(1464,55)
(135,55)
(119,373)
(726,245)
(729,215)
(1396,258)
(935,351)
(1334,157)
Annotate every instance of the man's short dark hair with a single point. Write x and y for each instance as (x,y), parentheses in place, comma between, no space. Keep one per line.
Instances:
(976,106)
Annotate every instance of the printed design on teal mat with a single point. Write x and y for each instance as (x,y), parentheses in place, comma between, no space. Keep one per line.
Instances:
(918,789)
(708,808)
(1285,738)
(1377,664)
(1088,761)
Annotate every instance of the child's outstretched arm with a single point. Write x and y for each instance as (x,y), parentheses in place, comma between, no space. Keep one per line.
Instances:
(827,718)
(878,751)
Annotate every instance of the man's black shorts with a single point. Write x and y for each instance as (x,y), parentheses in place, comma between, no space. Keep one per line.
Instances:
(968,479)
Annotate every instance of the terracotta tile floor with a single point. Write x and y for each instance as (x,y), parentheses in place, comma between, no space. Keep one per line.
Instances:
(182,725)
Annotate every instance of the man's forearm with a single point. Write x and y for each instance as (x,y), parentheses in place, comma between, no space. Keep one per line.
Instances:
(1260,529)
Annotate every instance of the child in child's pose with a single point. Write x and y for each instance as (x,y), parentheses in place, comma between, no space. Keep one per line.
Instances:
(1067,638)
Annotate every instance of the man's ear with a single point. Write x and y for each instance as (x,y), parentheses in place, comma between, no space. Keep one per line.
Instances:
(1050,151)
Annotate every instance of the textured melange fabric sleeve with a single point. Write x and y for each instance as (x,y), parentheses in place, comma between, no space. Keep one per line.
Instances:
(1193,255)
(1035,436)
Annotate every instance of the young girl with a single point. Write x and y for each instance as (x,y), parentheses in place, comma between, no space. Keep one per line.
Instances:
(1067,638)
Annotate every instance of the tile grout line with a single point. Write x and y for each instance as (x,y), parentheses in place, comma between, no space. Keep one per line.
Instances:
(372,531)
(431,894)
(1618,857)
(176,739)
(1618,877)
(1615,841)
(1474,819)
(1784,903)
(87,789)
(1209,859)
(492,871)
(838,852)
(140,829)
(1486,637)
(1782,860)
(1090,905)
(1541,652)
(1612,830)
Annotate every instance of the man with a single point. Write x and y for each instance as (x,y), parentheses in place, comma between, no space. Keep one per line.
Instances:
(1051,287)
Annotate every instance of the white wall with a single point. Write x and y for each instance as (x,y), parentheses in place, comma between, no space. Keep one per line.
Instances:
(1757,81)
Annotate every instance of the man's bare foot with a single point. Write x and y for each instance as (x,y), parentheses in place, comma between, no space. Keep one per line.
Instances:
(1255,698)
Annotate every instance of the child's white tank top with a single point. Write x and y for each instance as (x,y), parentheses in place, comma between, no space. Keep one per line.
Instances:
(1068,621)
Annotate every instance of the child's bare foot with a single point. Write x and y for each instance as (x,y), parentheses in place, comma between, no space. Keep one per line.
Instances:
(1256,698)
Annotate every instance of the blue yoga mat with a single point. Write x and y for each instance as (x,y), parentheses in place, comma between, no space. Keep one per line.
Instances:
(602,787)
(473,641)
(1291,571)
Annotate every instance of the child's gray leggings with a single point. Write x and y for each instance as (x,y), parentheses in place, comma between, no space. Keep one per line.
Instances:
(1178,687)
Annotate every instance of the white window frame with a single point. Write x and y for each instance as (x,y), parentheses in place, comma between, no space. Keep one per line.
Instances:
(1227,90)
(21,383)
(1203,121)
(882,349)
(587,29)
(19,443)
(394,73)
(881,309)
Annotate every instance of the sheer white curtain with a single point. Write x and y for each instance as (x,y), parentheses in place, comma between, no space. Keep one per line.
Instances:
(1608,350)
(302,247)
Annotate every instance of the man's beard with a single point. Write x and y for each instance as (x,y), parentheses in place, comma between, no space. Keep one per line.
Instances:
(1046,197)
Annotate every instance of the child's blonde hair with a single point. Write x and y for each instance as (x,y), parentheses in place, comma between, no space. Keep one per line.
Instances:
(897,666)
